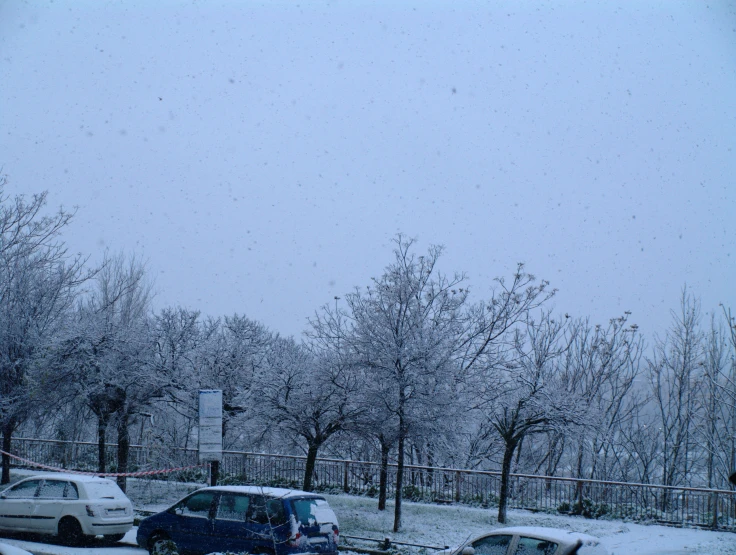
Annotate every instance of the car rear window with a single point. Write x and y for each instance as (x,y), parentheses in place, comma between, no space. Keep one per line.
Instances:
(313,511)
(103,490)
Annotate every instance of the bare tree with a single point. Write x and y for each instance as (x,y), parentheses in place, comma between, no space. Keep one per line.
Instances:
(178,336)
(600,371)
(406,331)
(233,352)
(308,393)
(39,282)
(712,433)
(674,373)
(109,356)
(529,395)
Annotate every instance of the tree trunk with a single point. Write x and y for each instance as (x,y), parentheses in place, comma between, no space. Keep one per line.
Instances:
(399,476)
(430,465)
(123,448)
(508,456)
(8,430)
(101,438)
(310,464)
(383,474)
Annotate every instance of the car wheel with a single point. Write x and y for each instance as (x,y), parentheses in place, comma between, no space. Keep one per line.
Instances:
(162,545)
(114,537)
(70,531)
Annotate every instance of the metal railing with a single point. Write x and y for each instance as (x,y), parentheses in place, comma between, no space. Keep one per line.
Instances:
(681,506)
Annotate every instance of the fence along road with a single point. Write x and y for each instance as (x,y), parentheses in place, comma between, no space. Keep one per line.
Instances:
(679,506)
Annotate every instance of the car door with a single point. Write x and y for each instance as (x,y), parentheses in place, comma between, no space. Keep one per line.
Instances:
(49,505)
(230,526)
(193,531)
(18,505)
(266,520)
(495,544)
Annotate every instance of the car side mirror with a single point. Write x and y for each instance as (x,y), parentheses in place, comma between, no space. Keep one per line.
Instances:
(467,550)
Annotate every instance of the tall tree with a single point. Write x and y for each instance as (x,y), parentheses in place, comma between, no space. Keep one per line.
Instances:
(712,430)
(600,370)
(233,352)
(39,282)
(111,351)
(529,394)
(308,392)
(674,372)
(406,331)
(178,339)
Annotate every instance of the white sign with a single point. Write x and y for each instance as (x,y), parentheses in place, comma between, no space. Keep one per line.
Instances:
(210,425)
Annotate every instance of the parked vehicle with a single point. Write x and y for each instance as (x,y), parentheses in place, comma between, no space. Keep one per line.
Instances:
(71,506)
(248,519)
(524,540)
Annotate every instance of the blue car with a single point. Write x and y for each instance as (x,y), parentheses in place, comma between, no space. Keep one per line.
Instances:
(243,519)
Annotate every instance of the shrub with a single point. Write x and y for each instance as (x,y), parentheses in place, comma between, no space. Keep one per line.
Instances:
(587,508)
(412,493)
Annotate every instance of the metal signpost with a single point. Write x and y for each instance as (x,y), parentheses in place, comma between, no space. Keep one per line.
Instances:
(210,430)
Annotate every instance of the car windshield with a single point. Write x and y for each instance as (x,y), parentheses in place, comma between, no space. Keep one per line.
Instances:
(104,490)
(492,545)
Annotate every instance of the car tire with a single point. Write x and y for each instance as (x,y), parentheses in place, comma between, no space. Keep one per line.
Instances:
(70,531)
(114,537)
(162,545)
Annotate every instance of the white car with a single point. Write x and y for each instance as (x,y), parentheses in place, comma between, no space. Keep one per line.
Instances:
(524,540)
(6,549)
(71,506)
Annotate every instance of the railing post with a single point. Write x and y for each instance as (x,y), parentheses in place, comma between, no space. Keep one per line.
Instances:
(346,475)
(458,485)
(715,511)
(580,495)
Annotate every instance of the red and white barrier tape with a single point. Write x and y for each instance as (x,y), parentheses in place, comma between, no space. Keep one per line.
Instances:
(106,474)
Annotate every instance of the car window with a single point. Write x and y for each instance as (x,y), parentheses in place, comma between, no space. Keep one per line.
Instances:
(52,489)
(313,511)
(257,511)
(23,490)
(232,507)
(104,490)
(276,511)
(197,505)
(71,491)
(537,547)
(492,545)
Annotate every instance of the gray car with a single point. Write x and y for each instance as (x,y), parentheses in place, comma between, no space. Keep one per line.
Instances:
(526,540)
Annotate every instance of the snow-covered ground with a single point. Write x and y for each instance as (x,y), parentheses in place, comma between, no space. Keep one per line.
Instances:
(451,524)
(440,525)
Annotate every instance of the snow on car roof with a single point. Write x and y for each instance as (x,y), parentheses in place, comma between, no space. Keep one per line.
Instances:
(556,534)
(69,476)
(270,492)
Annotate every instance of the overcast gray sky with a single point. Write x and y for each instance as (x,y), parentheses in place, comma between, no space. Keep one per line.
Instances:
(262,155)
